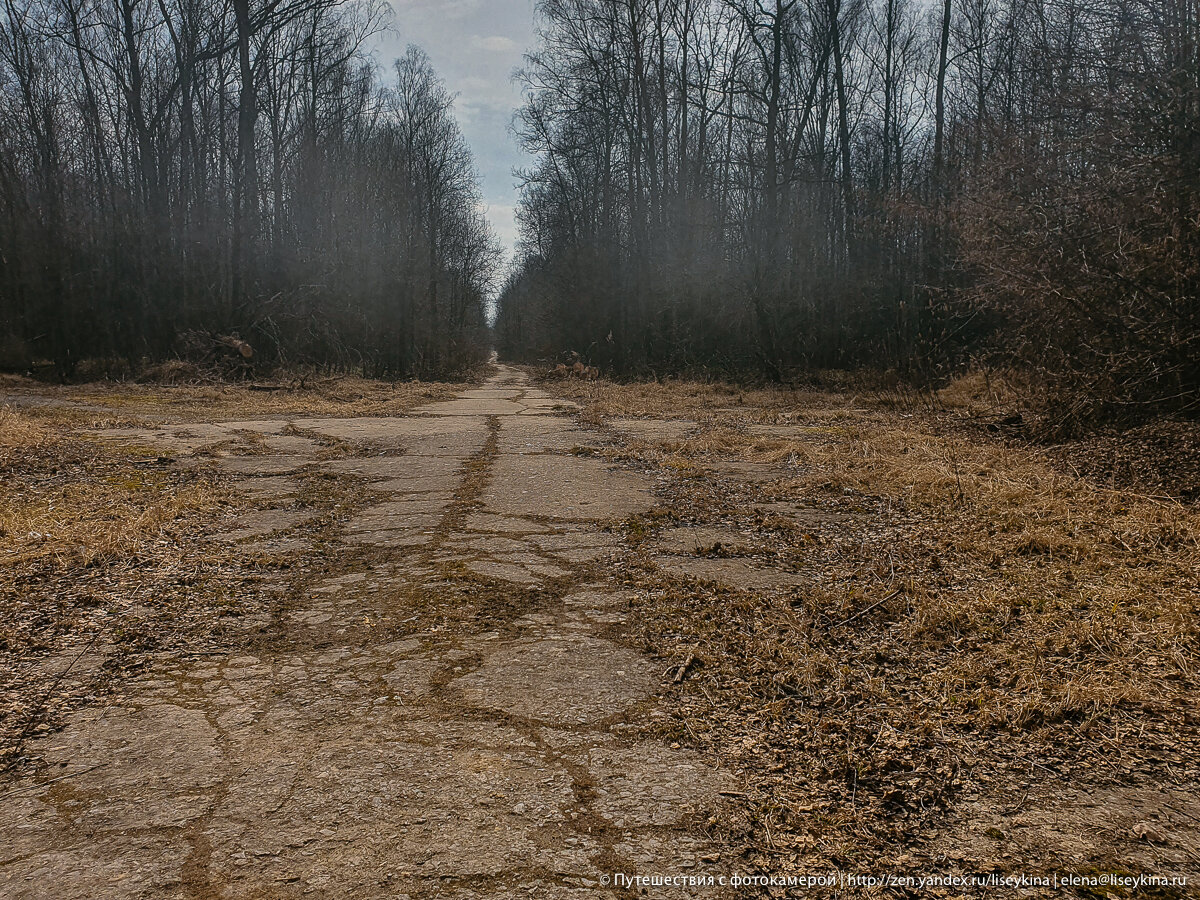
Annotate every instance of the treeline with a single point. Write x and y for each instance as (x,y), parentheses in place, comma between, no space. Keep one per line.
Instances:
(783,185)
(180,168)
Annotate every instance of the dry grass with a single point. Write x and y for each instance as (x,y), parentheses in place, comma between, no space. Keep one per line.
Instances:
(113,512)
(982,392)
(679,399)
(972,615)
(105,556)
(1073,589)
(106,403)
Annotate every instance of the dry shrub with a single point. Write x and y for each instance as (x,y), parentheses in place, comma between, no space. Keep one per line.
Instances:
(1095,274)
(173,371)
(982,391)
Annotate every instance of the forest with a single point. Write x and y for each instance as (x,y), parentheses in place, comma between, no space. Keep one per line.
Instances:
(747,189)
(774,188)
(178,176)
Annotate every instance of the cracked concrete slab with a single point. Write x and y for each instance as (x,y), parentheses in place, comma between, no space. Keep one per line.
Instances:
(561,680)
(542,434)
(504,524)
(468,407)
(345,759)
(564,487)
(267,464)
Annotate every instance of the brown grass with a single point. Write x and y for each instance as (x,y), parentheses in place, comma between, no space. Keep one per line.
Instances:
(679,399)
(973,616)
(91,524)
(113,512)
(106,403)
(105,556)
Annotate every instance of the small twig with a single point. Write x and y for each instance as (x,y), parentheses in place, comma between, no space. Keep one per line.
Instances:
(1011,810)
(34,787)
(957,478)
(33,713)
(683,670)
(1031,762)
(863,612)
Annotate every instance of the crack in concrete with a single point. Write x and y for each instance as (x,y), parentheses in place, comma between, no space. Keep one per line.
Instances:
(354,753)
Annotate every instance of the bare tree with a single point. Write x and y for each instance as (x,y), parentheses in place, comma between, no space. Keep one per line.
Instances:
(168,166)
(774,185)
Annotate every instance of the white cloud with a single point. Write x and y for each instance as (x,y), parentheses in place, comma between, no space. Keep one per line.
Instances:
(503,219)
(495,43)
(438,9)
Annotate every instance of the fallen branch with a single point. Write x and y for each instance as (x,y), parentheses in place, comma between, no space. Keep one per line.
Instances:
(863,612)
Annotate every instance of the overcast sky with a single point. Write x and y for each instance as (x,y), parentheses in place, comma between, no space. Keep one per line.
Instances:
(475,45)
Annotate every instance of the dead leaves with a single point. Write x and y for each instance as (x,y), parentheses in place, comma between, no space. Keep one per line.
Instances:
(973,620)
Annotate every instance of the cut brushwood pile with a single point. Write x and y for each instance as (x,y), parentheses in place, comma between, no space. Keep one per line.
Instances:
(575,370)
(226,354)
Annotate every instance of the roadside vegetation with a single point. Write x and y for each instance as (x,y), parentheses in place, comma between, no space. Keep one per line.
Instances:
(986,652)
(976,649)
(179,179)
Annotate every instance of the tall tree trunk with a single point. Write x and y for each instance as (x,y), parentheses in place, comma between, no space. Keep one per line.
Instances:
(246,213)
(847,174)
(939,127)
